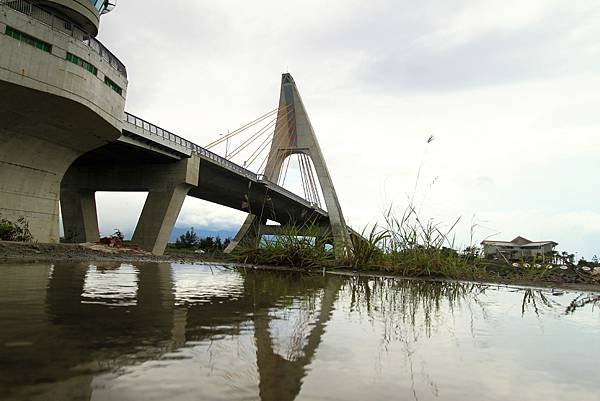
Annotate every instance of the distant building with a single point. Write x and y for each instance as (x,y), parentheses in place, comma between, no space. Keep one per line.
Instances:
(519,248)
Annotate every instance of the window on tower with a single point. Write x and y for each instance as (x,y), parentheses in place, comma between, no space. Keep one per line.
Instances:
(103,5)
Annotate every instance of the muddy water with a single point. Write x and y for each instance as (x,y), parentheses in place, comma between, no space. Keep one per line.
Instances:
(158,331)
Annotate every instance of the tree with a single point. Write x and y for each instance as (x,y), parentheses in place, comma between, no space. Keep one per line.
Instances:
(187,240)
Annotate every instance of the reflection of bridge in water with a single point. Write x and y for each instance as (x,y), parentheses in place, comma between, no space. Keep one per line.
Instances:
(74,333)
(117,331)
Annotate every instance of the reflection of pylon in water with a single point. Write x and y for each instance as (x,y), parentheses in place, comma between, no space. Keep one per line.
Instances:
(294,135)
(281,377)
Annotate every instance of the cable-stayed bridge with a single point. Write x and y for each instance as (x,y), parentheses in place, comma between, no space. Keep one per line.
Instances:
(148,158)
(64,135)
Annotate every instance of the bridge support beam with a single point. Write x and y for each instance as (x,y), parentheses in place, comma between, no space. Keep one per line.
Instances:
(158,218)
(249,233)
(79,215)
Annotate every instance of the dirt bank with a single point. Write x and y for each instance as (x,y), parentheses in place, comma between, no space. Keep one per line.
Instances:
(571,278)
(34,252)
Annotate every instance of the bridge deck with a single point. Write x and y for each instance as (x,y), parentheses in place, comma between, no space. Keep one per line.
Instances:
(221,181)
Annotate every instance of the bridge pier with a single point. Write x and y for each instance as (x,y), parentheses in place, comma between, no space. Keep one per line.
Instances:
(80,218)
(158,218)
(249,233)
(166,182)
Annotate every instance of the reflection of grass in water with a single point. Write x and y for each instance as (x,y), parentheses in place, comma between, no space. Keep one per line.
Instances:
(299,334)
(538,301)
(409,309)
(408,302)
(535,299)
(583,300)
(274,288)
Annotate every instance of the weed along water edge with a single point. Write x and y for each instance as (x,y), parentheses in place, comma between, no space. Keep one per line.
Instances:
(407,247)
(158,330)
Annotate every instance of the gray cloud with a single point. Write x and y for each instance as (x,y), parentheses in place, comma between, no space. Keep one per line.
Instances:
(405,46)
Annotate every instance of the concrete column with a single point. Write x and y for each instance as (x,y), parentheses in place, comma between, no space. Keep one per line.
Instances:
(80,218)
(51,112)
(158,218)
(248,234)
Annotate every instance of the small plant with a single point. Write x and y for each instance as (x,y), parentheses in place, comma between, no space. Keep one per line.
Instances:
(15,231)
(118,235)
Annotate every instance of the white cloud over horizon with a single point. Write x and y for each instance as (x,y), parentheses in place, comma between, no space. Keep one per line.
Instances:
(508,89)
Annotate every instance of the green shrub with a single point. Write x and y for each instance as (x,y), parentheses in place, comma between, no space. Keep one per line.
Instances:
(15,231)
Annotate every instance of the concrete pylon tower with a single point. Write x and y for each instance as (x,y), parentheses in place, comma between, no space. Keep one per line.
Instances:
(294,134)
(62,94)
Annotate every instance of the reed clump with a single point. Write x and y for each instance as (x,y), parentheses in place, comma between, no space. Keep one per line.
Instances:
(294,245)
(406,245)
(411,246)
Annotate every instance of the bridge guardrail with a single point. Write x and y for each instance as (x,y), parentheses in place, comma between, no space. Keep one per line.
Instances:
(176,139)
(66,27)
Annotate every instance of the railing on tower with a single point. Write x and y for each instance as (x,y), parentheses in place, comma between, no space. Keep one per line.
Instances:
(66,27)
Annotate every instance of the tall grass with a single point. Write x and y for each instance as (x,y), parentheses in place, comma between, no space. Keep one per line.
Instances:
(366,249)
(294,245)
(411,246)
(408,244)
(404,243)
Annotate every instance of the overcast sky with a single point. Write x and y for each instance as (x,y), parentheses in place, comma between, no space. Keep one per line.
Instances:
(510,90)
